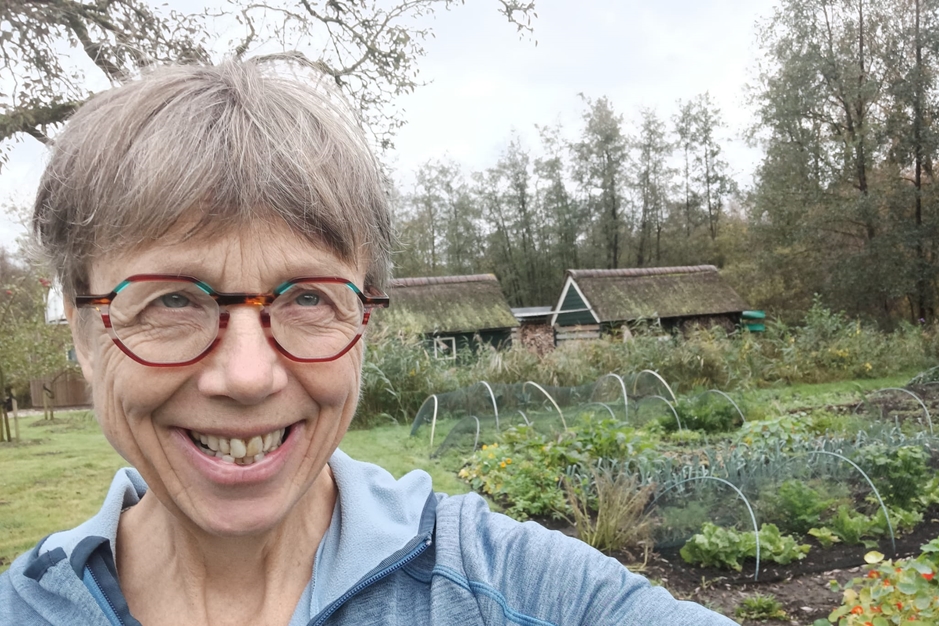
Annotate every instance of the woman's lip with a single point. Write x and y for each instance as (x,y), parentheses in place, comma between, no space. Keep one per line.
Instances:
(221,472)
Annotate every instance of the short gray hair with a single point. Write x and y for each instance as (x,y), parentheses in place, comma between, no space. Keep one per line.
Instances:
(229,145)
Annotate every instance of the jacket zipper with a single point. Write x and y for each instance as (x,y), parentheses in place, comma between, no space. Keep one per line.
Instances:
(101,593)
(362,584)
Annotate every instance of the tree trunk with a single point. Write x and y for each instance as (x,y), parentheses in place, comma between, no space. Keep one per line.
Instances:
(921,285)
(5,434)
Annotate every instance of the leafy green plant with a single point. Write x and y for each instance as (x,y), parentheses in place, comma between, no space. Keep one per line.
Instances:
(930,375)
(825,536)
(795,506)
(524,470)
(706,413)
(902,520)
(608,439)
(892,592)
(852,527)
(716,546)
(786,433)
(774,546)
(760,607)
(527,480)
(898,474)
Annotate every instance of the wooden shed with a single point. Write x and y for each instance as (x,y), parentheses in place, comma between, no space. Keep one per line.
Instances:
(453,312)
(677,297)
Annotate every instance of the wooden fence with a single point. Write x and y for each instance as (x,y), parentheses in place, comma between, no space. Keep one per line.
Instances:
(68,388)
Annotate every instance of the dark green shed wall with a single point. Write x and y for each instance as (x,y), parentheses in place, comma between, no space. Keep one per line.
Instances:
(572,300)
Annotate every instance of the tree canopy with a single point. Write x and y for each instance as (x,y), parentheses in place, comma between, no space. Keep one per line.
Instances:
(57,53)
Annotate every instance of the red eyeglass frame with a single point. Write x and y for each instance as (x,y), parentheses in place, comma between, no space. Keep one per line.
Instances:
(101,303)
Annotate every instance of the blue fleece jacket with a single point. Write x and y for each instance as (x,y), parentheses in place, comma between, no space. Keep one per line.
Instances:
(395,554)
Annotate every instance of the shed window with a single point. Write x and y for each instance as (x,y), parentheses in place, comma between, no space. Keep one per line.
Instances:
(445,347)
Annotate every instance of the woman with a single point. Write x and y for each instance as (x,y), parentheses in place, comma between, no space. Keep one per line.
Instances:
(222,235)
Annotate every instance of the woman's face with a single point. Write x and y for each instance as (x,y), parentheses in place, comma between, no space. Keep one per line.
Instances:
(243,389)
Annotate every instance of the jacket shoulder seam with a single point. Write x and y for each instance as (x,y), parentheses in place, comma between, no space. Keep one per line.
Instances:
(37,569)
(480,588)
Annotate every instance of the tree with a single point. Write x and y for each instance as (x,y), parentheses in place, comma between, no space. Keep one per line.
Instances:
(913,60)
(650,153)
(29,347)
(517,246)
(599,166)
(845,103)
(115,38)
(685,123)
(563,214)
(369,49)
(439,226)
(705,175)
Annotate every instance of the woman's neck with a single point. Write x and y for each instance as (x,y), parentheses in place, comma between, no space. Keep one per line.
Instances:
(173,573)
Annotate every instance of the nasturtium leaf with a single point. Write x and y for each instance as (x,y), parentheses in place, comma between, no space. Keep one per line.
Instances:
(907,587)
(873,557)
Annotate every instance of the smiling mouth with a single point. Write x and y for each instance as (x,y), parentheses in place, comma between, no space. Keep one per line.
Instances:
(239,451)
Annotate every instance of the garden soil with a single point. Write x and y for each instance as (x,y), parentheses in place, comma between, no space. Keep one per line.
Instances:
(803,588)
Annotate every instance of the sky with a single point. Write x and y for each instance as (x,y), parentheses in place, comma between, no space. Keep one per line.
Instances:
(485,81)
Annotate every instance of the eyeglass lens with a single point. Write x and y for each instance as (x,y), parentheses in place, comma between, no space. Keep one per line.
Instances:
(165,321)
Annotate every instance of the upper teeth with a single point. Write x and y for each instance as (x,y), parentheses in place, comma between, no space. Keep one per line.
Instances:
(235,449)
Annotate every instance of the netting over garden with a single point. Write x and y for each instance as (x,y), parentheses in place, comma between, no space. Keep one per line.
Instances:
(482,410)
(821,488)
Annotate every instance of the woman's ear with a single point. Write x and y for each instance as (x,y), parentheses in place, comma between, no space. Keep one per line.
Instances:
(79,329)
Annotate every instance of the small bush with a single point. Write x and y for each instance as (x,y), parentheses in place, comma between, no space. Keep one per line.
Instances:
(760,607)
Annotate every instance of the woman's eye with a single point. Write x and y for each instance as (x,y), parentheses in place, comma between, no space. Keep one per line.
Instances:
(307,299)
(174,301)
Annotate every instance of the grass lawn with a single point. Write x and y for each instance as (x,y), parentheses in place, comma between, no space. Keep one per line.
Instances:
(57,476)
(54,478)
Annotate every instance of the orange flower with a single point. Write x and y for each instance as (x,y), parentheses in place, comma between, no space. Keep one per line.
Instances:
(873,574)
(857,610)
(928,576)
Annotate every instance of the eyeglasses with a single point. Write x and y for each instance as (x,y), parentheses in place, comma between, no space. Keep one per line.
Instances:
(160,320)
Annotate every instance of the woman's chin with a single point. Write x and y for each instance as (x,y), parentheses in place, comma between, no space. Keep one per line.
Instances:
(232,521)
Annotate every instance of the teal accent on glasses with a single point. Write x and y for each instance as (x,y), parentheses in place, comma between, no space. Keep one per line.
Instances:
(290,283)
(201,285)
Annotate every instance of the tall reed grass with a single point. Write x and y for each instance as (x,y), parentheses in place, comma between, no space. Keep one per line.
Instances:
(400,371)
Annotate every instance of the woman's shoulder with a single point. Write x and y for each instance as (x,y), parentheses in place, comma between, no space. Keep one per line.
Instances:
(544,574)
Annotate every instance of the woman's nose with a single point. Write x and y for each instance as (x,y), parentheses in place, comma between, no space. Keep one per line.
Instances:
(244,366)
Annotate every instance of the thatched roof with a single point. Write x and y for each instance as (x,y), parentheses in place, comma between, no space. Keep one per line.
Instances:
(448,304)
(656,292)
